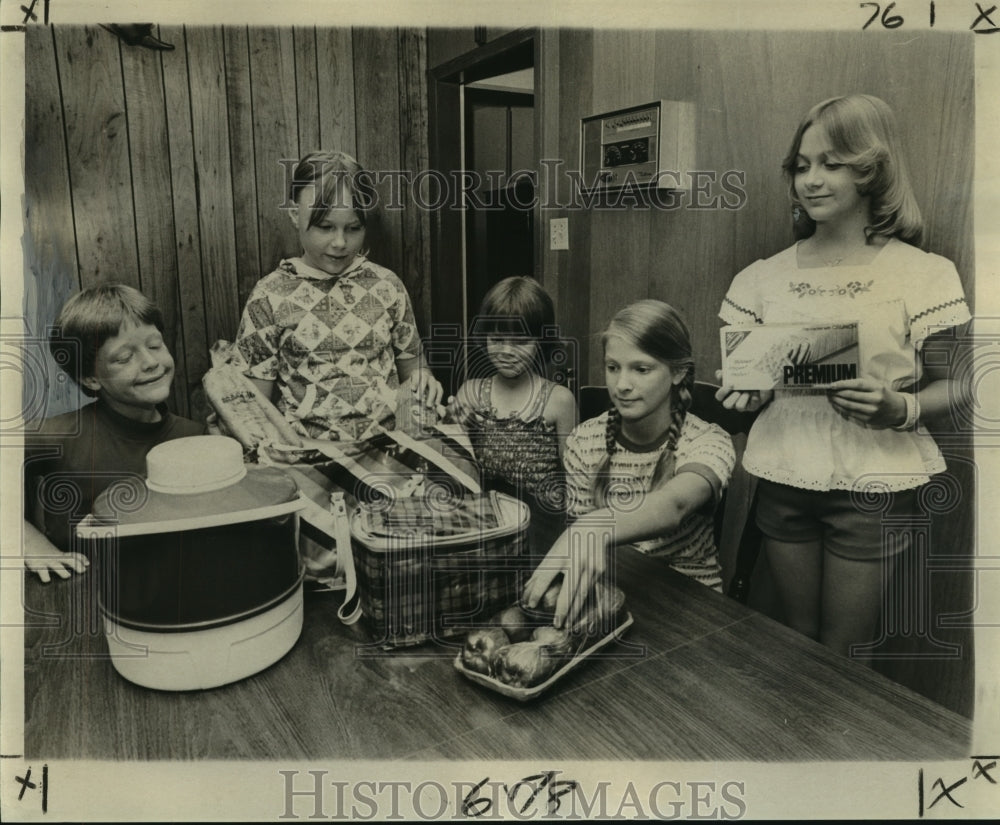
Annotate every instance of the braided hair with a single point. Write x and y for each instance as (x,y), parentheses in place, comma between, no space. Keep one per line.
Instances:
(657,329)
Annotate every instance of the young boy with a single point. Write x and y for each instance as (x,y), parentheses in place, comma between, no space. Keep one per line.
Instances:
(109,339)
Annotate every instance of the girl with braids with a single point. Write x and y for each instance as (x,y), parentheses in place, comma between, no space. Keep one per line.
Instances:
(648,469)
(815,451)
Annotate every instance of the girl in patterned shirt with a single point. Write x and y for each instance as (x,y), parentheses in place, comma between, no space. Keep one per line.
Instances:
(332,332)
(647,472)
(516,418)
(833,462)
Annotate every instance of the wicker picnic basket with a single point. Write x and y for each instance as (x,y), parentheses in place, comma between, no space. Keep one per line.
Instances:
(432,569)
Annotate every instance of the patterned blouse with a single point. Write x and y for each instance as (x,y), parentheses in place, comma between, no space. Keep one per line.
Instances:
(331,344)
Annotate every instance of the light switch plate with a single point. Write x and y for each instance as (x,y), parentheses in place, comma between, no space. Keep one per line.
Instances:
(559,233)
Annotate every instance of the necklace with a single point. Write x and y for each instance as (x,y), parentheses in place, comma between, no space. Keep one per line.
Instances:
(834,260)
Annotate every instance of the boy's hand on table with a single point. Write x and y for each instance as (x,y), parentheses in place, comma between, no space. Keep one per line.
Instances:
(42,557)
(62,566)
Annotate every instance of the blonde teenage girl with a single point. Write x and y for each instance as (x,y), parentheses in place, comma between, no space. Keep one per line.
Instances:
(815,450)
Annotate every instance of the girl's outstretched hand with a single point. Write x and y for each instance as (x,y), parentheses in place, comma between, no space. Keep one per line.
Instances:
(741,400)
(867,401)
(427,389)
(580,554)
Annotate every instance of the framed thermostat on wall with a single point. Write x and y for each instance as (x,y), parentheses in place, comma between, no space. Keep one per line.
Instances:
(651,145)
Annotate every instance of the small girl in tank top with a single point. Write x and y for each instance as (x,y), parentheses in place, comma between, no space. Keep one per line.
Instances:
(516,418)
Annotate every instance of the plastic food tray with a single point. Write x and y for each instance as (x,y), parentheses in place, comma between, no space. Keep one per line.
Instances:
(524,694)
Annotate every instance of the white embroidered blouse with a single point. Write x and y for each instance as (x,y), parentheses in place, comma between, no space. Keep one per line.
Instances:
(898,299)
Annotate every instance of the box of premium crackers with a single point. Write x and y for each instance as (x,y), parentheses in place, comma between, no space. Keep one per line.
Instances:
(789,356)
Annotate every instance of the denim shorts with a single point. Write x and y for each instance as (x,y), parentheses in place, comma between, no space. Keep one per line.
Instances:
(792,514)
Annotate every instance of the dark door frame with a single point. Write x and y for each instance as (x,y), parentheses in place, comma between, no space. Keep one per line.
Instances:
(516,49)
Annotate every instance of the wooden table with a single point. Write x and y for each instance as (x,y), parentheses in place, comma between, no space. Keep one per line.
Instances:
(702,678)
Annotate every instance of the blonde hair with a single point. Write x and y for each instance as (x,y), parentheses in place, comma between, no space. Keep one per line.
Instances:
(863,132)
(658,330)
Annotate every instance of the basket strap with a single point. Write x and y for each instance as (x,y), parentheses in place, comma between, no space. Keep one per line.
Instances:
(350,610)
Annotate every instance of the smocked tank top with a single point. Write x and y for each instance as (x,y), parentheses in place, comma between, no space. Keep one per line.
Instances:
(520,451)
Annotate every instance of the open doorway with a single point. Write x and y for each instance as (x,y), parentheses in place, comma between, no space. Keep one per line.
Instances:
(499,151)
(483,132)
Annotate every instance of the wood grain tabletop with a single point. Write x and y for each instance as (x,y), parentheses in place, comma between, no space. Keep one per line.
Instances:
(698,676)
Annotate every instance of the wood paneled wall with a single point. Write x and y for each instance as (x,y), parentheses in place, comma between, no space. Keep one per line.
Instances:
(750,90)
(162,169)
